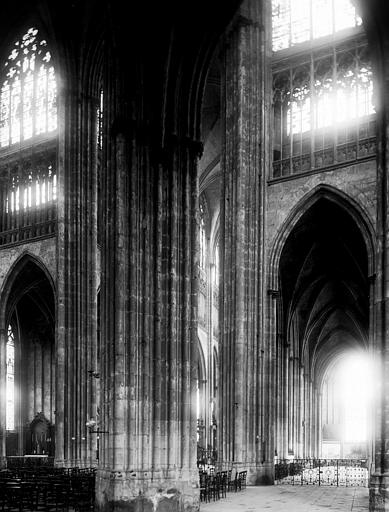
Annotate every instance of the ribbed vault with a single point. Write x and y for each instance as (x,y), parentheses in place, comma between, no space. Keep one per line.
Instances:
(31,295)
(324,285)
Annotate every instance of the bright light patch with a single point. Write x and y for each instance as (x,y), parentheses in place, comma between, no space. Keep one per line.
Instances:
(197,400)
(297,21)
(32,192)
(354,384)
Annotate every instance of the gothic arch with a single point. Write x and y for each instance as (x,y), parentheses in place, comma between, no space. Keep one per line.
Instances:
(10,280)
(357,213)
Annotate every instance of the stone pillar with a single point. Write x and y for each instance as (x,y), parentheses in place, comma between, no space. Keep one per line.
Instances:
(275,340)
(3,384)
(379,481)
(373,361)
(285,400)
(246,414)
(318,407)
(76,337)
(310,420)
(301,416)
(148,321)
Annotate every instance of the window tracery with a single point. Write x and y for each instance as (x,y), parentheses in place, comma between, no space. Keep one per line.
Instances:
(28,93)
(323,109)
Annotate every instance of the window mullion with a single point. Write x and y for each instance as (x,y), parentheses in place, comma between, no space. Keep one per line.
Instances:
(312,108)
(291,122)
(47,100)
(10,114)
(357,92)
(21,103)
(334,104)
(34,94)
(290,23)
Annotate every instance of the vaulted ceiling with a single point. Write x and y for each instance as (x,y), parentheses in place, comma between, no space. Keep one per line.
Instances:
(324,285)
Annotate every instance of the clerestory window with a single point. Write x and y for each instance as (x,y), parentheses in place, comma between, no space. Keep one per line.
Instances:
(298,21)
(28,134)
(323,111)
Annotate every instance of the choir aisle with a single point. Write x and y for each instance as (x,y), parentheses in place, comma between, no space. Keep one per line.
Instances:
(282,498)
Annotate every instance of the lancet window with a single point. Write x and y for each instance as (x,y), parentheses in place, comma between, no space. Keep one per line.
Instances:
(323,112)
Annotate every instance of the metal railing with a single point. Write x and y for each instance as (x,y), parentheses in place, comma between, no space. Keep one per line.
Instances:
(326,472)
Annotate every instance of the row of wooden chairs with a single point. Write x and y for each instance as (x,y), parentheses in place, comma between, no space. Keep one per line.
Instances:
(41,491)
(214,486)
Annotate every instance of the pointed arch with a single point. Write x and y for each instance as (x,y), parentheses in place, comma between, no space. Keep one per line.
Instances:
(351,207)
(6,299)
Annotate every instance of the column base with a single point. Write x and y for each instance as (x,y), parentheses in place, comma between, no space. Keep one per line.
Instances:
(147,491)
(379,492)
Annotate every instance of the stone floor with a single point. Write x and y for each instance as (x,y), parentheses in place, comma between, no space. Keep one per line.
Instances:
(283,498)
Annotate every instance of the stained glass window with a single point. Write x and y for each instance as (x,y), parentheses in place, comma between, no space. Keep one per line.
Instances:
(10,380)
(297,21)
(28,101)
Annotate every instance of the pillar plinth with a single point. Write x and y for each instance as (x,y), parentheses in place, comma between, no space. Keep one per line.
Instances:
(379,492)
(167,491)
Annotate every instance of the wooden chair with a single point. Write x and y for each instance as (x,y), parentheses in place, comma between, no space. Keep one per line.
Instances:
(214,490)
(204,488)
(233,482)
(223,478)
(242,475)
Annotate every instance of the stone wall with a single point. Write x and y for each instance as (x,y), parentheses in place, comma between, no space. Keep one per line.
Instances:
(358,182)
(43,250)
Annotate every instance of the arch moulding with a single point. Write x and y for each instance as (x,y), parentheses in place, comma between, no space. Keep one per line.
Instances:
(9,280)
(351,207)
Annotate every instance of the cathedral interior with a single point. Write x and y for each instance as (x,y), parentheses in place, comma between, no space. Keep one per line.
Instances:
(194,241)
